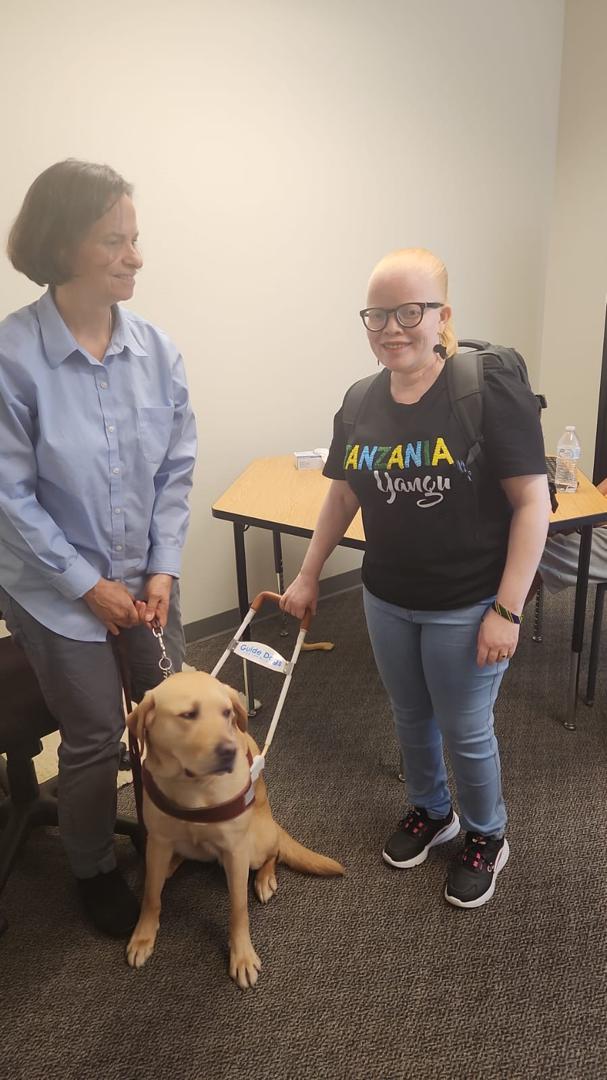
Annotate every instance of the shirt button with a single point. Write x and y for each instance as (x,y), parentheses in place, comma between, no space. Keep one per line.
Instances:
(118,547)
(115,471)
(117,510)
(103,385)
(111,427)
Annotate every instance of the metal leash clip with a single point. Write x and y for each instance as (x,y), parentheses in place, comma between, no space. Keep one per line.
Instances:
(165,663)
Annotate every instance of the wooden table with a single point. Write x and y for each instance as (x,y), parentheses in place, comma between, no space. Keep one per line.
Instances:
(272,494)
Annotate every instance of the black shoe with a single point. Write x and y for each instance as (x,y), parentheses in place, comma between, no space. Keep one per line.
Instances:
(109,903)
(416,834)
(471,879)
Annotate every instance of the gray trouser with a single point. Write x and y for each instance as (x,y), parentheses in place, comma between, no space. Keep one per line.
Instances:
(81,685)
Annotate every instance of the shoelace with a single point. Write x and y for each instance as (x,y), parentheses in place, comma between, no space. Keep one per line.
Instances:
(413,823)
(475,855)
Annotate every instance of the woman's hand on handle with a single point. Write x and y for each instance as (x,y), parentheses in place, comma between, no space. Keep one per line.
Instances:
(336,513)
(302,593)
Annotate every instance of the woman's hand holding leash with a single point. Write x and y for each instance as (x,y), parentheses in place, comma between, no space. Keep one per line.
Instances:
(157,596)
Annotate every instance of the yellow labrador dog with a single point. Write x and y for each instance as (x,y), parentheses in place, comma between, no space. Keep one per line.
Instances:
(199,803)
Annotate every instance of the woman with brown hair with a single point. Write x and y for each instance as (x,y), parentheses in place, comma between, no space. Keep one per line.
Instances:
(98,441)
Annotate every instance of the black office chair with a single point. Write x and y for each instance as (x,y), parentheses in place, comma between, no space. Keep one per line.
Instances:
(24,721)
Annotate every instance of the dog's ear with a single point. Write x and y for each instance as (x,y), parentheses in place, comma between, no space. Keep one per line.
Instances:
(242,716)
(141,717)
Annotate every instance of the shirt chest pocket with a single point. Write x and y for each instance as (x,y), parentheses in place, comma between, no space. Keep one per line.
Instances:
(154,425)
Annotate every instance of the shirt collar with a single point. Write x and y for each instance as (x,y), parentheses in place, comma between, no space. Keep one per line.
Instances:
(59,342)
(123,336)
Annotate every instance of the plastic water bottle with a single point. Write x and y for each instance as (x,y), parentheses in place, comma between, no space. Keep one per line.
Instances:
(567,456)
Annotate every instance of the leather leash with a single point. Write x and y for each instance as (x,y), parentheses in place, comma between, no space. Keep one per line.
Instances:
(166,666)
(125,678)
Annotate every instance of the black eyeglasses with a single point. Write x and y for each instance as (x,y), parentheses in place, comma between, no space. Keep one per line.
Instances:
(408,315)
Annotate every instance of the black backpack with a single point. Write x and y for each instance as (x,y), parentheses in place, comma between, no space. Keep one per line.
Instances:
(465,380)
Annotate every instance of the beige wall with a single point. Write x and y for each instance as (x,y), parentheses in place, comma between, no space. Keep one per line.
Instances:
(576,287)
(278,148)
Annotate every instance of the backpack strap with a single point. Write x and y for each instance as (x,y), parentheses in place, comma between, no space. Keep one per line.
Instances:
(465,380)
(464,385)
(354,399)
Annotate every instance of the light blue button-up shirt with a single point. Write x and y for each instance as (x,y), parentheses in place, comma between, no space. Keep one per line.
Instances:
(96,463)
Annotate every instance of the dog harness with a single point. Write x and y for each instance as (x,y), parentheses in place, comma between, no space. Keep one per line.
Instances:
(224,811)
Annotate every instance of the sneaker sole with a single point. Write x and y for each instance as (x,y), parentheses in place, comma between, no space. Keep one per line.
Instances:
(500,863)
(441,837)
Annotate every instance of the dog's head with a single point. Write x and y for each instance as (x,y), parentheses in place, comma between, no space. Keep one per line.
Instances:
(190,724)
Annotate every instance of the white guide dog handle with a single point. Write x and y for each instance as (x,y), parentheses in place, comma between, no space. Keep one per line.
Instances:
(257,767)
(275,598)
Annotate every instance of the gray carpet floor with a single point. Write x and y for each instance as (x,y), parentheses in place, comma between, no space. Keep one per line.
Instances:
(373,976)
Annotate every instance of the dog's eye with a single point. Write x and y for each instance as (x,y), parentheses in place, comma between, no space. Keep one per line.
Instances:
(227,713)
(191,715)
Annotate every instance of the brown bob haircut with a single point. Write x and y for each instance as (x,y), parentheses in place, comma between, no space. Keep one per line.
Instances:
(58,210)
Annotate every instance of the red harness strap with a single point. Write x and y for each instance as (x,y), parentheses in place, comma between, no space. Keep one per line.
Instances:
(203,814)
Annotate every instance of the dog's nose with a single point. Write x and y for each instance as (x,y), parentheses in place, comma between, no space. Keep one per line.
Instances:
(225,756)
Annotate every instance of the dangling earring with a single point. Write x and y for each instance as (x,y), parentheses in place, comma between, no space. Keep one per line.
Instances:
(440,347)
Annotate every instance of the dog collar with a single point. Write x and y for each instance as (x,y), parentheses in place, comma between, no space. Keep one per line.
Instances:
(203,814)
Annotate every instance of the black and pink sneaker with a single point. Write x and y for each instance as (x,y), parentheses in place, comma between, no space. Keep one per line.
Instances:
(471,879)
(416,834)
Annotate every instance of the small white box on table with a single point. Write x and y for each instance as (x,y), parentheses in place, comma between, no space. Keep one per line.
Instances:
(310,459)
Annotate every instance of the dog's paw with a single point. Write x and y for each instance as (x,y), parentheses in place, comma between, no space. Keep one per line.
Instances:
(265,886)
(245,966)
(139,949)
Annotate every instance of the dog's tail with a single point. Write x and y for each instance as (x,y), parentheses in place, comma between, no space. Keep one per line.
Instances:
(303,859)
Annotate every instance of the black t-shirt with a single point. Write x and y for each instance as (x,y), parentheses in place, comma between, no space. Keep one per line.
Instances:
(437,533)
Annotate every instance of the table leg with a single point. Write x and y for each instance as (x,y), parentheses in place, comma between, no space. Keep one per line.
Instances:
(280,580)
(243,604)
(579,615)
(538,615)
(595,643)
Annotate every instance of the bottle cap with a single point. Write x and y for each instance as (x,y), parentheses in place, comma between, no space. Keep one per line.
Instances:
(570,427)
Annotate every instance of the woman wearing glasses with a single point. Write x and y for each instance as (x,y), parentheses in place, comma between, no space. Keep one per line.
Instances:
(98,441)
(444,542)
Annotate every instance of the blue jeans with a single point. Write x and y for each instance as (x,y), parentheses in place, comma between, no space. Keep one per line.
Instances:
(427,663)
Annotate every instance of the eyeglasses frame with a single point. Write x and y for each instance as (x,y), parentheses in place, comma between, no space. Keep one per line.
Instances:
(394,311)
